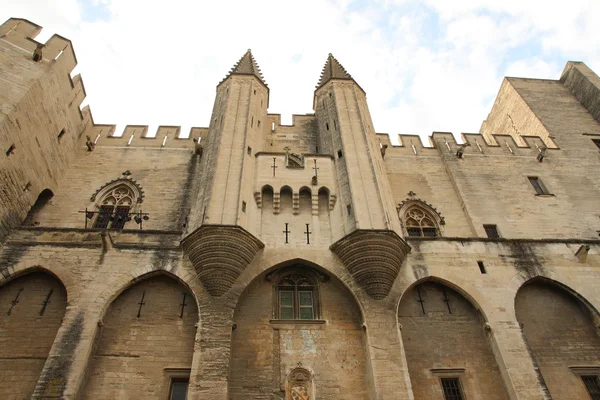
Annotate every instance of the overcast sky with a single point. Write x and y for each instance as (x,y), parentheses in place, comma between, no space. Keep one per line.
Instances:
(426,66)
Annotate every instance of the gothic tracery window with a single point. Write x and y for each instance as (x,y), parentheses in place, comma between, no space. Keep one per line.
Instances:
(419,223)
(114,208)
(297,297)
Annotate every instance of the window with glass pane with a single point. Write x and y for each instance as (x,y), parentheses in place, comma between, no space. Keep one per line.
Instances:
(592,384)
(286,304)
(306,304)
(178,390)
(296,297)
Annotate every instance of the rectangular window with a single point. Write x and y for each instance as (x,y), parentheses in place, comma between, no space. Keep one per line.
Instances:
(340,154)
(452,389)
(537,184)
(481,267)
(491,231)
(349,209)
(286,304)
(305,298)
(327,125)
(243,206)
(592,385)
(179,388)
(249,150)
(103,217)
(596,142)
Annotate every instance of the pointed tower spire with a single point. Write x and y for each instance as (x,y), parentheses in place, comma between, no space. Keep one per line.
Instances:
(247,66)
(333,70)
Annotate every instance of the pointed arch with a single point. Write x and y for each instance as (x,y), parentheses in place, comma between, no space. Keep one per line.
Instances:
(445,340)
(115,202)
(256,322)
(148,332)
(560,328)
(33,307)
(419,218)
(43,200)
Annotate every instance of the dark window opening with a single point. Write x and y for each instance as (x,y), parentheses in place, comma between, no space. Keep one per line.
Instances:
(340,154)
(252,122)
(243,206)
(103,218)
(349,209)
(41,202)
(11,150)
(596,142)
(481,267)
(538,185)
(330,95)
(592,384)
(429,232)
(491,231)
(179,388)
(255,91)
(249,150)
(258,124)
(327,125)
(121,216)
(61,134)
(452,389)
(413,231)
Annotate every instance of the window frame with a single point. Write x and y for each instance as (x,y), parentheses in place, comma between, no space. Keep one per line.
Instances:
(297,280)
(538,186)
(461,391)
(593,396)
(112,211)
(495,228)
(418,229)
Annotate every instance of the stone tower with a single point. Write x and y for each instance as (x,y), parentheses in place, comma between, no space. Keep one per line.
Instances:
(346,131)
(228,173)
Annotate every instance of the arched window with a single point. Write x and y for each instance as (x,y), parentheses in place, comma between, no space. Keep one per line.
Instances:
(420,219)
(418,223)
(114,207)
(297,297)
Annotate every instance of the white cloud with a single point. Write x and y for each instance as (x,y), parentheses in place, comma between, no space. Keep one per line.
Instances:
(424,68)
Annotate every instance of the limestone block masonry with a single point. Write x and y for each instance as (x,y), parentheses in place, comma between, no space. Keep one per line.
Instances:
(249,259)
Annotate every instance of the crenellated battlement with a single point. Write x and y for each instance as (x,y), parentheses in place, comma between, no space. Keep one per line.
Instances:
(476,144)
(164,136)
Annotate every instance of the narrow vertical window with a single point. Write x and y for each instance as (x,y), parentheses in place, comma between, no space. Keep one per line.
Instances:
(592,385)
(10,151)
(252,122)
(258,124)
(286,304)
(327,125)
(103,218)
(538,185)
(249,150)
(491,231)
(61,134)
(179,388)
(481,267)
(243,206)
(340,154)
(349,209)
(452,389)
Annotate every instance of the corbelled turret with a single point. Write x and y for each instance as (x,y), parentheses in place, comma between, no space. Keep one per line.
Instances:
(220,243)
(369,243)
